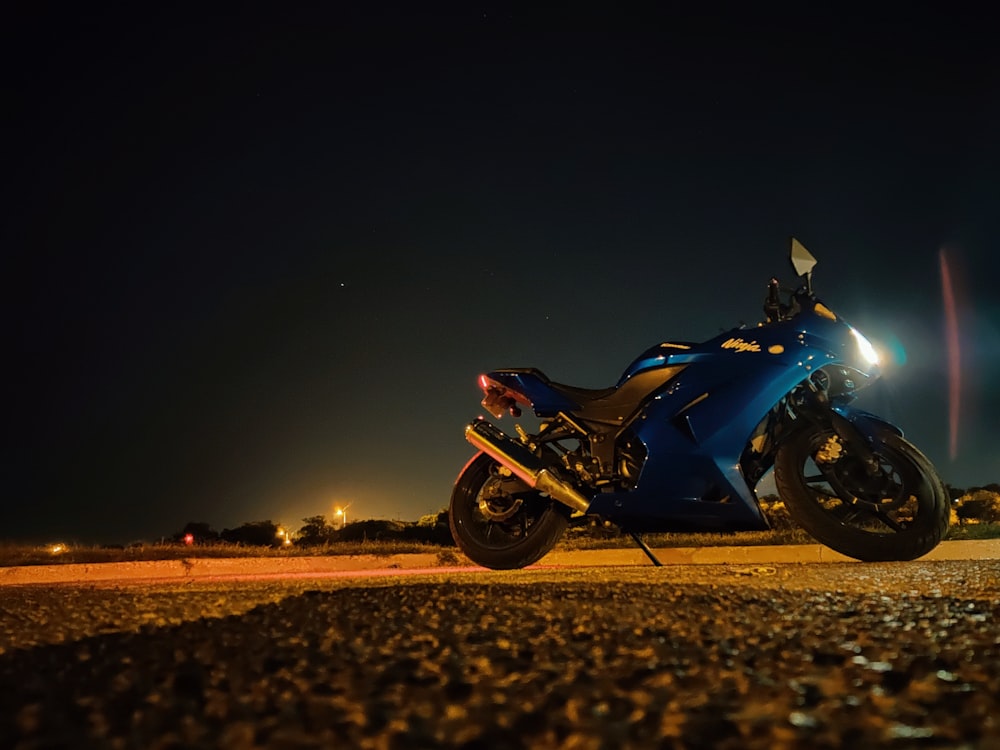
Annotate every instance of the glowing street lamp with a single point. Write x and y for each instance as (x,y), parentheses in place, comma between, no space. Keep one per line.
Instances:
(284,536)
(341,515)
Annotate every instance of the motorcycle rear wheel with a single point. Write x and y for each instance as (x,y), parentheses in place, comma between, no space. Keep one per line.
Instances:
(498,521)
(898,512)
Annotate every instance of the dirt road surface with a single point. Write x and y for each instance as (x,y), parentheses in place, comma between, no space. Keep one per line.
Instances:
(741,656)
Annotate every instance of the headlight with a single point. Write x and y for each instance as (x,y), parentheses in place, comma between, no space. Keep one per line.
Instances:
(865,347)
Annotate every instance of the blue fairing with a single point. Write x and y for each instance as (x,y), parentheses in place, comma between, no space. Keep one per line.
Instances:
(696,427)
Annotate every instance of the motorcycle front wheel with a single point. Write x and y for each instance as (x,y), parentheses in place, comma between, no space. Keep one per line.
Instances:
(498,521)
(897,508)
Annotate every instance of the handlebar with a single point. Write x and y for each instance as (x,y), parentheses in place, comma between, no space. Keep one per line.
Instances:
(773,309)
(776,310)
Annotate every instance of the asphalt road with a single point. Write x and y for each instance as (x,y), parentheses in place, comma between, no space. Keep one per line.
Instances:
(832,655)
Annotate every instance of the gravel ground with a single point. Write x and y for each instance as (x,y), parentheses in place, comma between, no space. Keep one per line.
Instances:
(888,655)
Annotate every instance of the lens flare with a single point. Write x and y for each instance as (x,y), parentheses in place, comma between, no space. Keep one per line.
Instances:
(894,346)
(954,351)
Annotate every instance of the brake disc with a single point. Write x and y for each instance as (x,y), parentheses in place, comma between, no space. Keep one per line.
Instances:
(497,505)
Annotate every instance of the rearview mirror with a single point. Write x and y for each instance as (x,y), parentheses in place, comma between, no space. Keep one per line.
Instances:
(802,259)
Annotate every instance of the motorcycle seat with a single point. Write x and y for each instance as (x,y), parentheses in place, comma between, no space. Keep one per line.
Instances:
(616,404)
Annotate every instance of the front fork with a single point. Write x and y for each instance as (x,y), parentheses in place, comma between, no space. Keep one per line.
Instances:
(857,429)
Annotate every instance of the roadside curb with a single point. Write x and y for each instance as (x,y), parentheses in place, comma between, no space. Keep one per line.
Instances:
(978,549)
(190,569)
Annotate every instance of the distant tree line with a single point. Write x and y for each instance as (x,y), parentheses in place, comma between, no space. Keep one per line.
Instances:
(956,493)
(317,531)
(970,505)
(975,504)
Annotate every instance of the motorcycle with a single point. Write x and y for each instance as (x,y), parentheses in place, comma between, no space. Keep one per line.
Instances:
(682,440)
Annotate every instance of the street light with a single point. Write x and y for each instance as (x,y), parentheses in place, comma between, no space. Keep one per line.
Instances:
(341,514)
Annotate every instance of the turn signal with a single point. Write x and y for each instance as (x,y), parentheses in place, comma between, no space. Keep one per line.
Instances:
(824,311)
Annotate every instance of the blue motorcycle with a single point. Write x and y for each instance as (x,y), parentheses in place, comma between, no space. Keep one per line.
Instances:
(683,438)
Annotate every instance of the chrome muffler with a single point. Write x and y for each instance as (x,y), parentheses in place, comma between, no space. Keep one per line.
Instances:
(523,464)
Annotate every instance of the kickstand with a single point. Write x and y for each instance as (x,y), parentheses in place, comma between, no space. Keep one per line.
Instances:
(645,548)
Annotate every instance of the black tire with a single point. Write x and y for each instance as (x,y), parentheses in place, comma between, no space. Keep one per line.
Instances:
(499,522)
(900,512)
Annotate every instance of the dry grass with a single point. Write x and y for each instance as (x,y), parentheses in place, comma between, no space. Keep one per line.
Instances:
(974,531)
(708,539)
(14,554)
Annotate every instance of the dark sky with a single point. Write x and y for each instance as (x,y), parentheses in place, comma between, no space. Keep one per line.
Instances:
(253,263)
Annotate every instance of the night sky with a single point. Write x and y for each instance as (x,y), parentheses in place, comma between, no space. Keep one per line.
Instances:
(253,263)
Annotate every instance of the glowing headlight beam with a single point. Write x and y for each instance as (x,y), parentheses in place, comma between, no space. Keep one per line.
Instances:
(865,347)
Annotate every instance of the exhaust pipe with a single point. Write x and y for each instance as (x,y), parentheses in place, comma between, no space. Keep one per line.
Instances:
(524,464)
